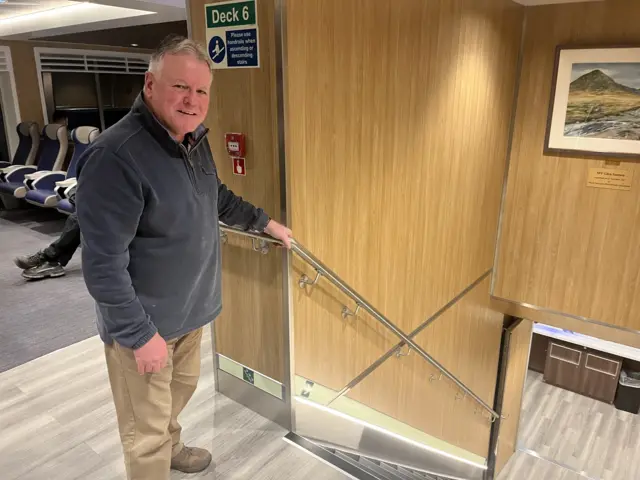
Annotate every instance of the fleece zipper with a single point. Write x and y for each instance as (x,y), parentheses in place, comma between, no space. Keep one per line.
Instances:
(188,162)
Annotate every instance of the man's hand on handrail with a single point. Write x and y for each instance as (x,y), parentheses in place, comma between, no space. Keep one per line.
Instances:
(279,232)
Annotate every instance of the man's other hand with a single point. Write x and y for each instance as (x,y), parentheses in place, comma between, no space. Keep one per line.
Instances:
(279,232)
(152,356)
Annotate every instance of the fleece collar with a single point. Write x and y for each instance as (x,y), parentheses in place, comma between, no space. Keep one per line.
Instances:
(159,131)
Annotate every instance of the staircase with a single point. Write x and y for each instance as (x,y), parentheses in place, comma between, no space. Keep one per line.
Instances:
(362,467)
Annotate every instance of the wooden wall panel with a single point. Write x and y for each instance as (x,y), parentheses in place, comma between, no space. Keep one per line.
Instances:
(597,330)
(466,340)
(24,70)
(564,246)
(398,124)
(250,329)
(514,389)
(329,350)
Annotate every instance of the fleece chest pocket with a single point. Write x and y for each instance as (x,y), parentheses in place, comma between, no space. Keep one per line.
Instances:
(207,177)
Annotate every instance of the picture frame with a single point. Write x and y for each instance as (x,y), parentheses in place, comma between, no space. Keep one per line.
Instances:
(594,108)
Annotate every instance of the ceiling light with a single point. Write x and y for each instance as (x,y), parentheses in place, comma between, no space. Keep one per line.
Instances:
(134,44)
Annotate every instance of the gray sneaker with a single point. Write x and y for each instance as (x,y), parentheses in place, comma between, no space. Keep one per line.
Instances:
(46,270)
(30,261)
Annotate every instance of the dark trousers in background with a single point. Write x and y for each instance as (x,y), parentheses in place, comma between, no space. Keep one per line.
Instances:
(65,246)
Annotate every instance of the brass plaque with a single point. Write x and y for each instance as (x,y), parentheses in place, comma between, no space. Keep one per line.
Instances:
(614,179)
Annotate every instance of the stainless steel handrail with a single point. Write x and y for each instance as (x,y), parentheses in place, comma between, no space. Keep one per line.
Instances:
(322,269)
(396,348)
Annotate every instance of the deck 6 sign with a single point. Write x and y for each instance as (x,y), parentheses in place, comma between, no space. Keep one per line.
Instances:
(232,34)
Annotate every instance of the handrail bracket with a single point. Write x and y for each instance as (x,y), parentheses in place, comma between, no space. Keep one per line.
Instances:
(305,280)
(400,353)
(347,312)
(260,246)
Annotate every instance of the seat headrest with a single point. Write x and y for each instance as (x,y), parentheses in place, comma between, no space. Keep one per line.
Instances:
(54,131)
(25,128)
(85,135)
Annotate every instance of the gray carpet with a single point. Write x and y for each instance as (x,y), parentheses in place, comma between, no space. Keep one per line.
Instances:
(39,317)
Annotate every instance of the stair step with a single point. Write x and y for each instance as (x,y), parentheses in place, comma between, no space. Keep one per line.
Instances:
(354,460)
(421,475)
(348,466)
(392,469)
(359,466)
(412,475)
(379,470)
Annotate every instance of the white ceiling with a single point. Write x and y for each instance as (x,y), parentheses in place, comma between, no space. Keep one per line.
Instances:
(32,19)
(13,8)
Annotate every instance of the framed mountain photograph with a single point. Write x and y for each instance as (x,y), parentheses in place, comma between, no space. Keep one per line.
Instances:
(595,102)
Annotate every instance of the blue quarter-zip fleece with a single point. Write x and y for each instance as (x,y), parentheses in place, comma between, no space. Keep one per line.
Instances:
(148,209)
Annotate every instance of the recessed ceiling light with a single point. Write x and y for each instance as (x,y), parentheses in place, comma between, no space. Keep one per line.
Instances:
(134,44)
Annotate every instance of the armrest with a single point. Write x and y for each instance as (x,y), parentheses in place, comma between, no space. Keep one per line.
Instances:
(5,172)
(31,178)
(67,182)
(17,174)
(65,187)
(11,168)
(34,175)
(47,181)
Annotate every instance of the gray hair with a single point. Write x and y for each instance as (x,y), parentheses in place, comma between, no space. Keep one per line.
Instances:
(178,45)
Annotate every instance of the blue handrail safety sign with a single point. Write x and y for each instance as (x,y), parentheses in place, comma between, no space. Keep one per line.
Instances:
(232,34)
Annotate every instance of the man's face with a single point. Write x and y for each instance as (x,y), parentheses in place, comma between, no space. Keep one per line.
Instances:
(178,93)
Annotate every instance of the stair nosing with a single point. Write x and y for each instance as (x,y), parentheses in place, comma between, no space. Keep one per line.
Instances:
(331,458)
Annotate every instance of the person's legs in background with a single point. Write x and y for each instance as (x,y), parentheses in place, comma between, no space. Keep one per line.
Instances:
(51,261)
(63,249)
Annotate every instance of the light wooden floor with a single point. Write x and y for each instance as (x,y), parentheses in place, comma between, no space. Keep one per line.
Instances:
(525,467)
(58,423)
(589,437)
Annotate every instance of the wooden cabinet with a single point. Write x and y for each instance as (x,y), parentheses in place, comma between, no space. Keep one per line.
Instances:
(563,367)
(600,374)
(538,353)
(582,370)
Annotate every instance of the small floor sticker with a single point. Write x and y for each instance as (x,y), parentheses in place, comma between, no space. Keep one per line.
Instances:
(247,375)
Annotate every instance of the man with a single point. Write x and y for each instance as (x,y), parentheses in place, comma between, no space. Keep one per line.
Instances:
(148,201)
(50,262)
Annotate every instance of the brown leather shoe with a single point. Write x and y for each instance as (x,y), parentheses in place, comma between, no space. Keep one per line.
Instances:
(191,460)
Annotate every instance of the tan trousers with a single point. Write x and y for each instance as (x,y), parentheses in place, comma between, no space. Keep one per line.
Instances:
(147,406)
